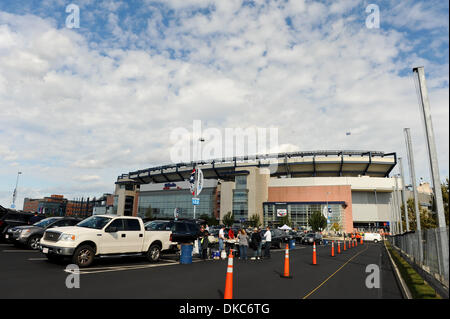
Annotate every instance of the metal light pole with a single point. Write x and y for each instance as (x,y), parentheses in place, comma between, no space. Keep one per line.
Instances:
(405,203)
(432,154)
(398,205)
(414,185)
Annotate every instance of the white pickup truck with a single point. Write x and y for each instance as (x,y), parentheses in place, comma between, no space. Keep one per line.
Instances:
(103,236)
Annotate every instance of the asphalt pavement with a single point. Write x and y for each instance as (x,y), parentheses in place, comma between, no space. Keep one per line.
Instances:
(28,274)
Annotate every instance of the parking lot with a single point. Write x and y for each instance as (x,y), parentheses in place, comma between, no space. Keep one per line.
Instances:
(28,274)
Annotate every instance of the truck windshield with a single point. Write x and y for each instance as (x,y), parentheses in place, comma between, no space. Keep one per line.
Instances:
(95,222)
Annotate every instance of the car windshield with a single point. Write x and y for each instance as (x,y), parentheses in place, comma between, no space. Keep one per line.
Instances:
(95,222)
(156,225)
(310,235)
(45,222)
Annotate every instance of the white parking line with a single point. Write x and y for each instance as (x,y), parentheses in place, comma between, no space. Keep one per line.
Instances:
(20,251)
(97,270)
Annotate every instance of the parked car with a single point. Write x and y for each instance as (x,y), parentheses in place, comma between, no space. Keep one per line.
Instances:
(104,236)
(31,235)
(375,237)
(12,218)
(279,237)
(311,238)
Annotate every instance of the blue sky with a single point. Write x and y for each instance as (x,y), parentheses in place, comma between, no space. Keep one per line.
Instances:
(78,107)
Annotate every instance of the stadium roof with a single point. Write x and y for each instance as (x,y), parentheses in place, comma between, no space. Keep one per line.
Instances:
(295,164)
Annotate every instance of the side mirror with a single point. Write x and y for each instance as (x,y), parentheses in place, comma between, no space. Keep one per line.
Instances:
(111,229)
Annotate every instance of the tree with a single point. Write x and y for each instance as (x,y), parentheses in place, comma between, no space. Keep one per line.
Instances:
(228,219)
(427,219)
(336,227)
(285,221)
(255,220)
(317,221)
(209,220)
(148,212)
(444,188)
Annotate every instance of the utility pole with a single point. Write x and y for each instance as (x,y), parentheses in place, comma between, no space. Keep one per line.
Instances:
(405,203)
(432,154)
(413,182)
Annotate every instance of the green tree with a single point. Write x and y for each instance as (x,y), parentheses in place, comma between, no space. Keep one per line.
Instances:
(427,219)
(209,220)
(317,221)
(148,212)
(285,221)
(228,219)
(444,188)
(336,227)
(254,220)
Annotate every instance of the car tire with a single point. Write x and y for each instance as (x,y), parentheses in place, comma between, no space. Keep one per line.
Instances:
(153,253)
(83,256)
(33,242)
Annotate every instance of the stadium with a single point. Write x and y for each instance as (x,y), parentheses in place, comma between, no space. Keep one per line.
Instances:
(356,186)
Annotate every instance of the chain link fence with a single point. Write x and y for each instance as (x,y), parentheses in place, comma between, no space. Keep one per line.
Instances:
(431,260)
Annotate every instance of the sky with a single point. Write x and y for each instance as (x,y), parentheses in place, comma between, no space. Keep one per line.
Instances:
(80,106)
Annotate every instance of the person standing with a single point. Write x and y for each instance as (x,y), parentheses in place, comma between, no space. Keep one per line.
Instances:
(199,239)
(257,243)
(268,239)
(221,238)
(243,244)
(204,245)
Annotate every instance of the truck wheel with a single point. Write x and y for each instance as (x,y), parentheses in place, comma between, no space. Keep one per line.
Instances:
(83,256)
(33,242)
(153,253)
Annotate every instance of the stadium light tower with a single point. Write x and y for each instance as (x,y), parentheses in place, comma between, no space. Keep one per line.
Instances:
(13,205)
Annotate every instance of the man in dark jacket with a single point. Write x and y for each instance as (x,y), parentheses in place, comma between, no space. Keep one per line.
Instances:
(256,243)
(204,245)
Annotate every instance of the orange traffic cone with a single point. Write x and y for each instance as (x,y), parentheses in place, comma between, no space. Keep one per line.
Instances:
(339,247)
(353,243)
(361,240)
(345,248)
(332,248)
(314,254)
(286,264)
(229,280)
(356,242)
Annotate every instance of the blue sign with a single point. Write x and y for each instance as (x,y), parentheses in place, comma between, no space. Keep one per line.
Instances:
(195,201)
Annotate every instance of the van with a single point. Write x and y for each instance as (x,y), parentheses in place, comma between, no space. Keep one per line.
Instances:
(375,237)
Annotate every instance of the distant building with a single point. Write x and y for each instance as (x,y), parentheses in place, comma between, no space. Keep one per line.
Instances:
(57,205)
(353,188)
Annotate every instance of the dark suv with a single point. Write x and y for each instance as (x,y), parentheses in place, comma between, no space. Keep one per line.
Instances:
(183,231)
(10,218)
(31,235)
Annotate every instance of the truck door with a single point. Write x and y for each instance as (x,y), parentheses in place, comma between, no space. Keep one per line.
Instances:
(134,235)
(113,238)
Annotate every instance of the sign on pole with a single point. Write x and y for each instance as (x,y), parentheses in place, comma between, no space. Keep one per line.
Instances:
(195,201)
(199,181)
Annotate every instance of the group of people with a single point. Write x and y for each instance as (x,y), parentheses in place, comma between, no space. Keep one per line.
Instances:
(257,240)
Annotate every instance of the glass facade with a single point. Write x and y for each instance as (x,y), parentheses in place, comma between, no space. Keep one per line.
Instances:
(163,203)
(299,213)
(240,199)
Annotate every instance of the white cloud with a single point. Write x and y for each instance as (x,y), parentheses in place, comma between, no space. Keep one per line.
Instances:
(70,111)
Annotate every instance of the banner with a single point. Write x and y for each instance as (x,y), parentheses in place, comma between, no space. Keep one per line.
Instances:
(199,181)
(281,212)
(192,182)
